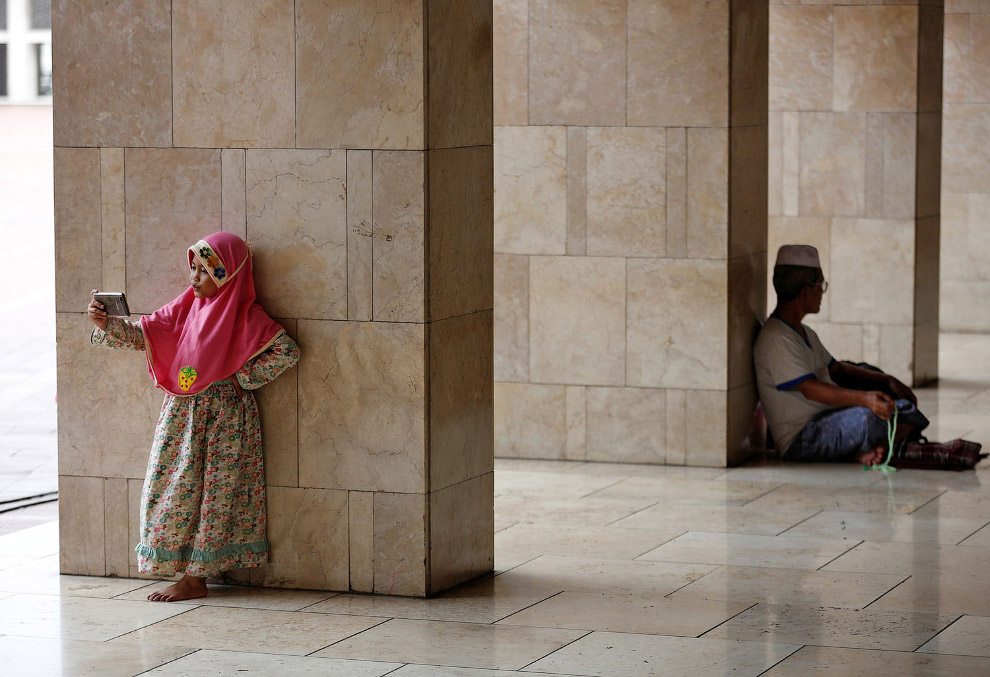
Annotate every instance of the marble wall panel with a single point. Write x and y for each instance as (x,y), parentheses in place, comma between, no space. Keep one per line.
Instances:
(706,433)
(872,271)
(707,193)
(749,44)
(78,233)
(278,403)
(460,245)
(775,163)
(871,343)
(900,165)
(116,535)
(173,200)
(675,427)
(790,170)
(461,399)
(966,7)
(926,270)
(362,405)
(105,422)
(511,62)
(676,171)
(577,191)
(462,532)
(626,425)
(924,360)
(746,314)
(871,74)
(511,317)
(398,263)
(958,56)
(234,73)
(677,334)
(297,223)
(577,310)
(964,236)
(459,62)
(931,38)
(843,341)
(531,194)
(833,164)
(897,351)
(678,63)
(81,529)
(577,62)
(577,423)
(375,53)
(748,196)
(112,219)
(99,101)
(400,544)
(964,171)
(875,138)
(745,435)
(626,191)
(530,421)
(967,58)
(360,236)
(929,165)
(233,191)
(307,538)
(801,58)
(957,313)
(361,536)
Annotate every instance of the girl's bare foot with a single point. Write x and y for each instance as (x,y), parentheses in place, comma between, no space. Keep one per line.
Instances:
(190,587)
(871,457)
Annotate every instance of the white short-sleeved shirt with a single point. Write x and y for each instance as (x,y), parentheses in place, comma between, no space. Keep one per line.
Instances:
(783,359)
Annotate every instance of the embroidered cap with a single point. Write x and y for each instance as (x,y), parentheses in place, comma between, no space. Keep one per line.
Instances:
(798,255)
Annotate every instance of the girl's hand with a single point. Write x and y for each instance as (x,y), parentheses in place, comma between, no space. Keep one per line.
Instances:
(96,313)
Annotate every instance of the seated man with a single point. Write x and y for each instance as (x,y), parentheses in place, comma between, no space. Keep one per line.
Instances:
(811,418)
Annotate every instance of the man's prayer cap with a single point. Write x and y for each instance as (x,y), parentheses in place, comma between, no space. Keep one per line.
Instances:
(798,255)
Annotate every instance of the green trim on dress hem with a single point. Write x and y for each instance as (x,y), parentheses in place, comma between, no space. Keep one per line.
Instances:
(189,554)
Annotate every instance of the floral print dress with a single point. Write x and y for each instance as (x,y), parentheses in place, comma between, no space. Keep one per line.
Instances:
(203,508)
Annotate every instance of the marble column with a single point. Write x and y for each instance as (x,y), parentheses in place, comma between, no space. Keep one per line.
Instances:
(351,143)
(630,227)
(965,246)
(855,136)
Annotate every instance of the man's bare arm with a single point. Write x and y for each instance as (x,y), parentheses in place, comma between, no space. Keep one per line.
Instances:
(874,380)
(827,393)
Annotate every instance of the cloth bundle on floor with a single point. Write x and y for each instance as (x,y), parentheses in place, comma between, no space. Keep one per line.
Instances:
(924,455)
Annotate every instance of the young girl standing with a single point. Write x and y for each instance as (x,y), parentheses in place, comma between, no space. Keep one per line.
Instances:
(203,505)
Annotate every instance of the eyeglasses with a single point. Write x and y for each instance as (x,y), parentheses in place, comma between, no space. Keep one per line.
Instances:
(823,284)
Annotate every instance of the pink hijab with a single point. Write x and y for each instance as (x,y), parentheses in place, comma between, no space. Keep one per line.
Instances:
(192,343)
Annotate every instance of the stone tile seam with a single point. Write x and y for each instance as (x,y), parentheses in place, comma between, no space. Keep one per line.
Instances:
(718,625)
(350,636)
(949,625)
(888,591)
(576,639)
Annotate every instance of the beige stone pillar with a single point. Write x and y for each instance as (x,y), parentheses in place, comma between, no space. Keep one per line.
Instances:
(855,135)
(630,227)
(351,143)
(965,250)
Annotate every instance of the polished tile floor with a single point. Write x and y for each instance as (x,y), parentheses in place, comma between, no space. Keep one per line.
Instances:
(767,569)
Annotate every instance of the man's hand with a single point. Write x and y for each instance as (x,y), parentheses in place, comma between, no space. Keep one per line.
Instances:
(96,313)
(879,403)
(901,391)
